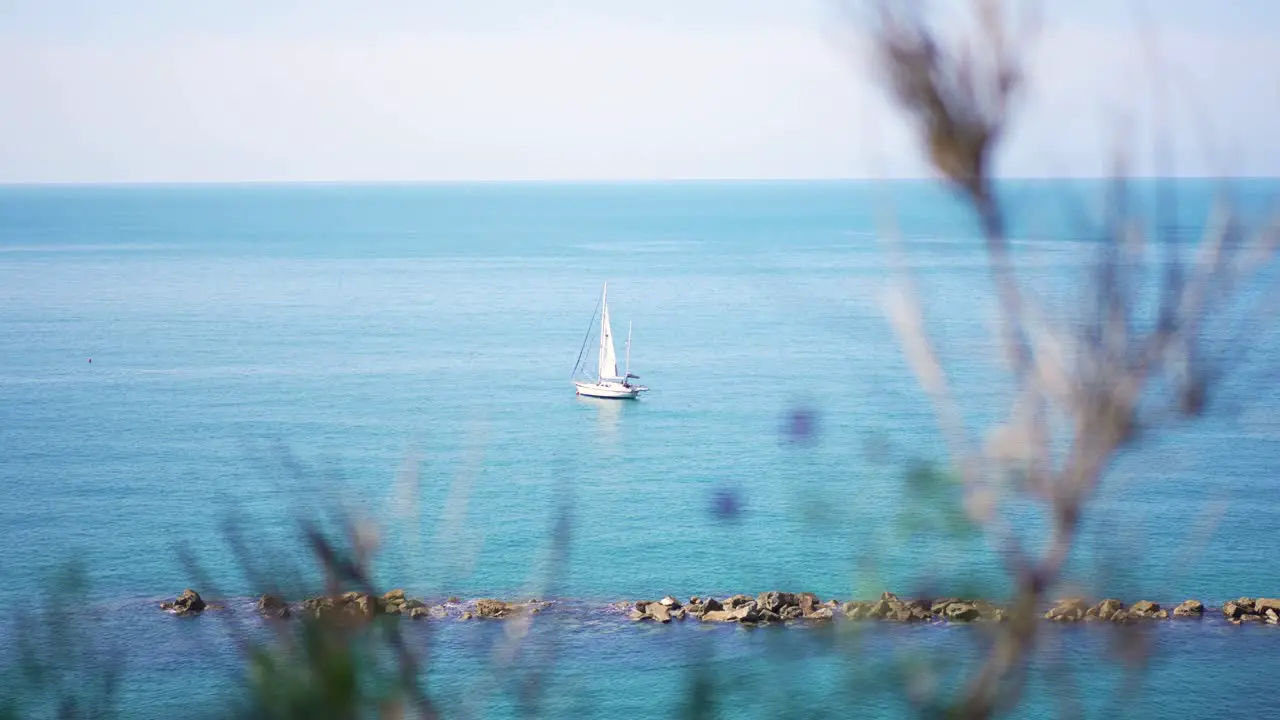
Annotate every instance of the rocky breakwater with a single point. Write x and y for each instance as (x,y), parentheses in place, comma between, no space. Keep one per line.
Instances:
(781,607)
(1243,610)
(765,608)
(1247,610)
(365,606)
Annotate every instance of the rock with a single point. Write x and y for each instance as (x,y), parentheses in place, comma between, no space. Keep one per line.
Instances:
(1234,611)
(188,603)
(670,602)
(808,602)
(833,604)
(453,600)
(488,608)
(1145,608)
(961,612)
(678,614)
(887,596)
(748,612)
(916,611)
(791,612)
(272,606)
(417,613)
(695,600)
(987,611)
(712,605)
(1104,610)
(1262,605)
(737,601)
(410,604)
(1069,610)
(856,610)
(939,606)
(465,616)
(637,616)
(393,600)
(822,613)
(878,610)
(1161,615)
(775,601)
(360,604)
(657,611)
(1252,618)
(1272,616)
(767,616)
(716,616)
(437,611)
(1189,608)
(319,607)
(642,604)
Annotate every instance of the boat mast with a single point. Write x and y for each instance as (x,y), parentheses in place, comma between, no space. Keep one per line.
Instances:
(628,370)
(604,331)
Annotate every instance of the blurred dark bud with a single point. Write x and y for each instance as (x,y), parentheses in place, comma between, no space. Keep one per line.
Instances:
(801,426)
(726,504)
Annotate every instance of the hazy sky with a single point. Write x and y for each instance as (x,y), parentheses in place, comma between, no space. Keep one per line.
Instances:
(395,90)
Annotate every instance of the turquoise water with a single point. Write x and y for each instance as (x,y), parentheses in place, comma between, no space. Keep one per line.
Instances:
(261,353)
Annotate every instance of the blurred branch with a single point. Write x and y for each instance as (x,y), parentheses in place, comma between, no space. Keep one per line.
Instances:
(959,92)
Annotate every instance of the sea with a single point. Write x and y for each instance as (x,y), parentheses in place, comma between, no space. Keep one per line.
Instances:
(191,376)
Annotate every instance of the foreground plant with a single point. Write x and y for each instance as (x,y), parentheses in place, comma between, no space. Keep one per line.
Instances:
(1084,390)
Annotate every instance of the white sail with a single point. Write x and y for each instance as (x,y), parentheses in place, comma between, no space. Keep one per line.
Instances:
(608,367)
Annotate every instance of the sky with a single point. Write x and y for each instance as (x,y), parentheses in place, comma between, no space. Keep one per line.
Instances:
(103,91)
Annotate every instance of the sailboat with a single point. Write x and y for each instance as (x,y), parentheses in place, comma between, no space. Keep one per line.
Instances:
(608,383)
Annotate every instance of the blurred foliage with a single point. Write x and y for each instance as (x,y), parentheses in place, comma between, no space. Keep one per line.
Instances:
(56,667)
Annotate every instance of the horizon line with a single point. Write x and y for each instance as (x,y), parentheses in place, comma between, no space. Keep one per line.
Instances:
(588,181)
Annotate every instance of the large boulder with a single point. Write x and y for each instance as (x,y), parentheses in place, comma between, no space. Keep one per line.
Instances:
(1145,608)
(791,612)
(748,612)
(1105,610)
(489,608)
(939,606)
(188,603)
(670,602)
(809,602)
(856,610)
(1233,610)
(822,613)
(658,612)
(737,601)
(775,601)
(1262,605)
(272,606)
(359,604)
(393,601)
(711,605)
(1069,610)
(1189,608)
(961,612)
(716,616)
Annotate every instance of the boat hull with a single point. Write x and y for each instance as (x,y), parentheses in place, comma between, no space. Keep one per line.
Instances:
(610,391)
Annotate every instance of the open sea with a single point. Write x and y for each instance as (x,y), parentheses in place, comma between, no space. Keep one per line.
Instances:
(262,355)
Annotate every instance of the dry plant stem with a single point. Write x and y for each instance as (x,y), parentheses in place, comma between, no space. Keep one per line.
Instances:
(339,569)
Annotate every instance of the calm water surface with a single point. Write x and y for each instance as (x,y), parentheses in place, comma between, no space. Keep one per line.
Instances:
(259,353)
